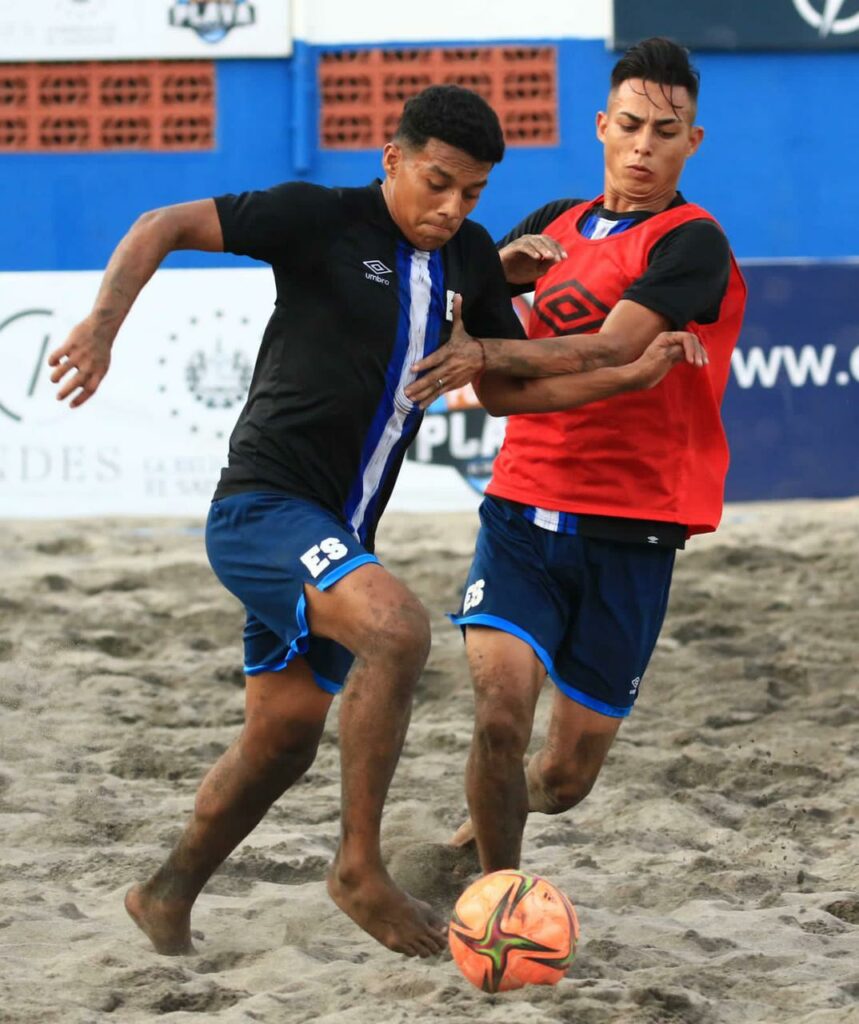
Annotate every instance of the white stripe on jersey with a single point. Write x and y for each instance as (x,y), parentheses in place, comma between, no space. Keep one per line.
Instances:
(602,228)
(420,287)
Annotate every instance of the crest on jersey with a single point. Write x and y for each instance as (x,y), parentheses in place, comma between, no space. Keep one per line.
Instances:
(212,20)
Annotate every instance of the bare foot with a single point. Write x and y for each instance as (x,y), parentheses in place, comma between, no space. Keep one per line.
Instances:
(168,924)
(464,835)
(391,916)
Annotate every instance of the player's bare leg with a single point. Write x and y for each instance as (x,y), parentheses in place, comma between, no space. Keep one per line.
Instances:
(387,629)
(563,771)
(284,717)
(507,677)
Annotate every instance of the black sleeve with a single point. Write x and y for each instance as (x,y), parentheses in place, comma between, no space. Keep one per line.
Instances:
(284,226)
(487,310)
(687,274)
(537,222)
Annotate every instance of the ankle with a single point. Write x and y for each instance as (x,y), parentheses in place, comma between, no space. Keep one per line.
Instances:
(351,867)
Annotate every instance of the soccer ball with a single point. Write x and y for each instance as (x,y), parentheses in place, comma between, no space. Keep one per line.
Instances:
(510,929)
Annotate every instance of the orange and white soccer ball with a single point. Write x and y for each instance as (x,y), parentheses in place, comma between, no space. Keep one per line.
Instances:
(510,929)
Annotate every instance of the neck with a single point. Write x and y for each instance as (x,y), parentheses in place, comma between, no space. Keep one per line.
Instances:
(386,195)
(619,201)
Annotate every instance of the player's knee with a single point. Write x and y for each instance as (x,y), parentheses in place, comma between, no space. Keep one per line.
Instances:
(400,633)
(282,747)
(502,733)
(564,785)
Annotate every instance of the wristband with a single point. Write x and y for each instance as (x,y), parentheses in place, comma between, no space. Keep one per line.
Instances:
(482,369)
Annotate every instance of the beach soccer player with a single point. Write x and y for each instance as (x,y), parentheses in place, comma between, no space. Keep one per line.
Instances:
(362,279)
(588,503)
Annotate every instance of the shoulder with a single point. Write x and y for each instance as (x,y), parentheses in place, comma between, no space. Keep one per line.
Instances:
(550,212)
(698,225)
(697,241)
(536,222)
(278,223)
(473,235)
(285,196)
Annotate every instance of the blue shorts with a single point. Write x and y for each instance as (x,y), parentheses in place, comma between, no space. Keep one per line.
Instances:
(591,609)
(265,548)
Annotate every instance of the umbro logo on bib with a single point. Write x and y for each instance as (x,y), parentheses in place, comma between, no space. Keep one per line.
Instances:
(375,269)
(569,308)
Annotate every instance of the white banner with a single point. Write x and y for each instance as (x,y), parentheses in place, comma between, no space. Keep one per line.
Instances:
(331,22)
(153,439)
(46,30)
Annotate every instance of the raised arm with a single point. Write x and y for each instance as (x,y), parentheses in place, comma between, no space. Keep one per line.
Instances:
(83,359)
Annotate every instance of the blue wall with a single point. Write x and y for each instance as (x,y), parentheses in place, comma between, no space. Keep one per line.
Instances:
(778,166)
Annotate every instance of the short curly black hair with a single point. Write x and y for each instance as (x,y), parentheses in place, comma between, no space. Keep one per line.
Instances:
(453,115)
(658,60)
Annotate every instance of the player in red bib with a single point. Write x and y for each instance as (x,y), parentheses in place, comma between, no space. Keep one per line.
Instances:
(603,475)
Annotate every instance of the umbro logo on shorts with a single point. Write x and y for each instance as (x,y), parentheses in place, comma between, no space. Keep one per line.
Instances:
(375,268)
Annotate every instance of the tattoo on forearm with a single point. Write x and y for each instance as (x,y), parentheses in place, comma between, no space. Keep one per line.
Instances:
(550,356)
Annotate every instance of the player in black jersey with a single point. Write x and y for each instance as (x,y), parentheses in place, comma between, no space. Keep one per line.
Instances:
(365,279)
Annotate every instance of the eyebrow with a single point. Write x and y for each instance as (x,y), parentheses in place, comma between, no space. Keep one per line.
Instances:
(641,120)
(435,169)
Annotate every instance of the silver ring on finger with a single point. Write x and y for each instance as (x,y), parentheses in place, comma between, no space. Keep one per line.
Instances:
(440,383)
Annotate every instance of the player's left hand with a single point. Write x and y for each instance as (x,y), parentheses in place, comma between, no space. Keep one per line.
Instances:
(83,359)
(665,351)
(451,366)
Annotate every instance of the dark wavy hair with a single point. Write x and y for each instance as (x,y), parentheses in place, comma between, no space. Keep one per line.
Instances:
(453,115)
(658,60)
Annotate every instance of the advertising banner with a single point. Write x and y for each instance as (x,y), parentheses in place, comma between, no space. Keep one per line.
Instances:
(60,30)
(791,410)
(739,25)
(154,437)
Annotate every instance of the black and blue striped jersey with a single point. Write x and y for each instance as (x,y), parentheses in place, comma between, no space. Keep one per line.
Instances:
(326,417)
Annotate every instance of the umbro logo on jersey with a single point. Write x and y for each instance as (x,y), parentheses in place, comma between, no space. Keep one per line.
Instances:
(375,268)
(569,307)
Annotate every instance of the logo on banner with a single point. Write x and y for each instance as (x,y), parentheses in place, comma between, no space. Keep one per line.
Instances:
(52,450)
(570,308)
(81,10)
(827,21)
(212,20)
(24,339)
(458,432)
(213,379)
(218,379)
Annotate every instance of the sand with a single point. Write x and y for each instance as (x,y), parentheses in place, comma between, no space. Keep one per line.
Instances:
(715,866)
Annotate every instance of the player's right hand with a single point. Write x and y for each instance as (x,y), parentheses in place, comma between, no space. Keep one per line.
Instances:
(83,360)
(666,350)
(529,257)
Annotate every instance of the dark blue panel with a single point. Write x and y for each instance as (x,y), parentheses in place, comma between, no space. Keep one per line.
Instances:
(739,25)
(791,409)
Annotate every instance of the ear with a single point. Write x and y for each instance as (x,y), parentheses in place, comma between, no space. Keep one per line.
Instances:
(602,125)
(392,158)
(696,137)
